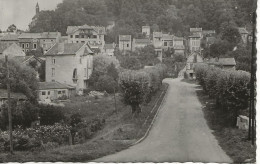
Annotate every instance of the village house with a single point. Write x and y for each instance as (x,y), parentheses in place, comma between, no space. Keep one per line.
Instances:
(208,33)
(109,49)
(125,43)
(48,39)
(179,48)
(194,42)
(196,31)
(168,41)
(9,39)
(146,30)
(93,35)
(157,43)
(49,91)
(244,34)
(16,96)
(11,51)
(29,41)
(223,63)
(140,43)
(69,63)
(193,59)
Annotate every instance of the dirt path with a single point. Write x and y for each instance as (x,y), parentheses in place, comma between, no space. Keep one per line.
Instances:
(179,134)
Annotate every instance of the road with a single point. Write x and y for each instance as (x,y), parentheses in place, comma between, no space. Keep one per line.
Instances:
(179,133)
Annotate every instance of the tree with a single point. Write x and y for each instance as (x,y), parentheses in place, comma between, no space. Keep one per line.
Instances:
(232,35)
(11,28)
(22,79)
(112,71)
(220,47)
(106,83)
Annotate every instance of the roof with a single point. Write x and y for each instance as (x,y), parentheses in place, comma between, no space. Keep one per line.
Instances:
(195,36)
(64,49)
(13,50)
(142,41)
(227,61)
(3,94)
(53,85)
(125,37)
(10,37)
(195,29)
(179,47)
(23,59)
(167,37)
(98,29)
(205,32)
(178,38)
(3,46)
(109,46)
(46,35)
(242,30)
(30,35)
(157,34)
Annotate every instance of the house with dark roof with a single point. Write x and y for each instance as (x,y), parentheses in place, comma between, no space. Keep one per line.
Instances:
(11,51)
(54,90)
(140,43)
(125,43)
(93,35)
(224,63)
(13,95)
(69,63)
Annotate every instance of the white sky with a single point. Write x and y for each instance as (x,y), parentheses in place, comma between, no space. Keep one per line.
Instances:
(20,12)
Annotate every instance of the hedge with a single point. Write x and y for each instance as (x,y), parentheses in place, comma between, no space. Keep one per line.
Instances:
(230,88)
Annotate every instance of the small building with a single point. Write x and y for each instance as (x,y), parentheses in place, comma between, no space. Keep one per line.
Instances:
(146,30)
(11,51)
(193,59)
(54,90)
(140,43)
(125,43)
(223,63)
(13,95)
(244,34)
(69,63)
(109,49)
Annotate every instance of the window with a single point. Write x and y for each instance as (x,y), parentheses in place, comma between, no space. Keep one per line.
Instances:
(82,41)
(34,45)
(43,93)
(27,45)
(51,40)
(82,36)
(23,50)
(165,43)
(77,41)
(127,45)
(53,61)
(85,72)
(23,46)
(27,50)
(76,36)
(53,72)
(71,36)
(94,36)
(80,60)
(59,92)
(49,92)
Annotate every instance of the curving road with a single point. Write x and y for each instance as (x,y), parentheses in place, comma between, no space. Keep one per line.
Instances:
(179,134)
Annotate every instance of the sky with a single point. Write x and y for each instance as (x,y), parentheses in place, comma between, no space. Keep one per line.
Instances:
(21,12)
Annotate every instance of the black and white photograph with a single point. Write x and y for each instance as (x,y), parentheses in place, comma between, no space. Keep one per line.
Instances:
(128,81)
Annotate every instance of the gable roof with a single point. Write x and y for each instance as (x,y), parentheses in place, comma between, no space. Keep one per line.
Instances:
(195,29)
(98,29)
(24,59)
(13,50)
(157,34)
(178,38)
(30,36)
(53,35)
(53,85)
(109,46)
(10,37)
(3,94)
(242,30)
(167,37)
(142,41)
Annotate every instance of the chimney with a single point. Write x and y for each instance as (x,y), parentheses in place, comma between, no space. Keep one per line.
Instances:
(60,47)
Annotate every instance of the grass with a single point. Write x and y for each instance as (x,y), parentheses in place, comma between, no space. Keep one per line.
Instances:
(232,140)
(120,131)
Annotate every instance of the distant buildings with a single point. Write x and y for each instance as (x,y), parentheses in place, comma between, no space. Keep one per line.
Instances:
(194,42)
(15,96)
(109,49)
(146,30)
(140,43)
(224,63)
(125,43)
(193,59)
(10,50)
(93,35)
(244,34)
(69,63)
(9,39)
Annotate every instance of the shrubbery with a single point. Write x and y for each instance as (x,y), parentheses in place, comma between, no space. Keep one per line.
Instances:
(50,115)
(106,83)
(230,88)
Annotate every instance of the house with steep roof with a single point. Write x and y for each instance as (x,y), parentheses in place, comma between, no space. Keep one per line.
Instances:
(9,39)
(125,43)
(93,35)
(244,34)
(54,90)
(69,63)
(10,50)
(109,49)
(140,43)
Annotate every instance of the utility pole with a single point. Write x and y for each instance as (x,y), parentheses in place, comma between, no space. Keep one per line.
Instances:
(9,106)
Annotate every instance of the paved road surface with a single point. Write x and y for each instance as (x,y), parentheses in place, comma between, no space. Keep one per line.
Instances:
(179,134)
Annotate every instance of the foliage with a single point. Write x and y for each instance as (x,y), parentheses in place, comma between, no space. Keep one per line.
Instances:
(232,35)
(106,83)
(50,115)
(11,28)
(22,79)
(112,71)
(230,88)
(23,114)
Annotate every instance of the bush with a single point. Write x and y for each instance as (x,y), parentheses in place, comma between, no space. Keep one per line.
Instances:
(106,83)
(230,88)
(50,115)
